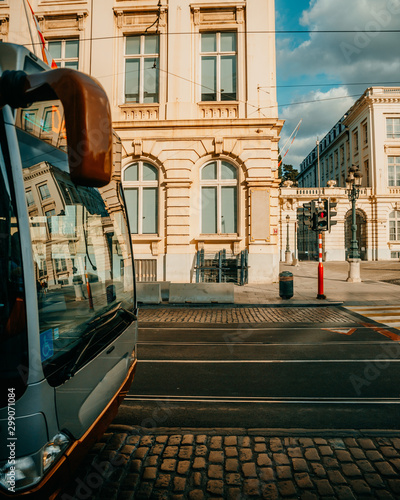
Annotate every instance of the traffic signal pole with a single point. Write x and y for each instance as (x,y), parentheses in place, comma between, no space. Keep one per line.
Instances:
(320,269)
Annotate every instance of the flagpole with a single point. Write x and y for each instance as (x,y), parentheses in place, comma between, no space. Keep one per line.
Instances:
(29,27)
(291,135)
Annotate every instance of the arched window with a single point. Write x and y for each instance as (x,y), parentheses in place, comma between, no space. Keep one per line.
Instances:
(140,182)
(394,226)
(218,198)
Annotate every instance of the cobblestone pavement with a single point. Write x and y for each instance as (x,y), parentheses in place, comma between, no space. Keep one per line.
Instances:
(237,464)
(243,315)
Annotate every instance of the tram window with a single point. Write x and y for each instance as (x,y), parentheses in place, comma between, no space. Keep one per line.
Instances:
(83,263)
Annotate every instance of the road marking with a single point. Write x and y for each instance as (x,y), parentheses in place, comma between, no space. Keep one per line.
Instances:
(382,331)
(265,361)
(343,331)
(388,315)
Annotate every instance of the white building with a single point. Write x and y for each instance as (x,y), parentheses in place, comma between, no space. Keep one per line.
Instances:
(192,90)
(367,136)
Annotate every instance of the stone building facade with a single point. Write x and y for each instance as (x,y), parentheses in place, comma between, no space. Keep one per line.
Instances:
(192,90)
(368,137)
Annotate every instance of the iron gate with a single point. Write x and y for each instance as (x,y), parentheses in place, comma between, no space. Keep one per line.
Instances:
(218,268)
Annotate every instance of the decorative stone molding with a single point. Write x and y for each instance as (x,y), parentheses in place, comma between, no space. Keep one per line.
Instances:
(137,19)
(331,183)
(154,247)
(218,145)
(288,183)
(4,24)
(219,110)
(208,14)
(137,147)
(139,112)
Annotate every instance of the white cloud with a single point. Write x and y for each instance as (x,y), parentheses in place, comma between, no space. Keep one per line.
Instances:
(367,54)
(319,115)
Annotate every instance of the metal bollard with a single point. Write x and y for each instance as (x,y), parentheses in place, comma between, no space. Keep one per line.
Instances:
(286,285)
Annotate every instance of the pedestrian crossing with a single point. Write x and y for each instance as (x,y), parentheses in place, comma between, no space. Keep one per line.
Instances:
(388,315)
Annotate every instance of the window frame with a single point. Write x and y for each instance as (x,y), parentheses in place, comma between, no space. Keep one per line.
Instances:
(219,183)
(218,54)
(140,185)
(394,222)
(141,58)
(396,170)
(392,134)
(63,60)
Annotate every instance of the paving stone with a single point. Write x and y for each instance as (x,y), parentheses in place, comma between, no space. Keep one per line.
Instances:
(260,439)
(320,441)
(231,451)
(374,455)
(263,459)
(199,463)
(318,469)
(216,457)
(201,439)
(350,470)
(233,479)
(275,444)
(308,496)
(249,469)
(396,443)
(161,439)
(325,450)
(175,440)
(135,465)
(295,452)
(216,442)
(179,483)
(344,493)
(284,472)
(146,441)
(344,456)
(299,464)
(374,480)
(383,441)
(163,481)
(349,441)
(385,469)
(330,462)
(185,452)
(323,487)
(394,485)
(312,454)
(245,454)
(183,467)
(144,490)
(168,464)
(187,439)
(141,452)
(126,449)
(150,473)
(267,474)
(366,444)
(215,471)
(170,451)
(245,442)
(357,453)
(196,495)
(384,495)
(251,487)
(260,447)
(234,494)
(286,488)
(157,449)
(306,442)
(132,440)
(389,451)
(231,465)
(215,487)
(303,480)
(365,466)
(201,450)
(197,479)
(396,463)
(360,487)
(269,491)
(280,459)
(336,477)
(230,440)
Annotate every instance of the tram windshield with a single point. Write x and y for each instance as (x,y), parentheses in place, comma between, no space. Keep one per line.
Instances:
(81,250)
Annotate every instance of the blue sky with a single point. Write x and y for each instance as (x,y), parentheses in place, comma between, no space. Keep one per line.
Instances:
(327,72)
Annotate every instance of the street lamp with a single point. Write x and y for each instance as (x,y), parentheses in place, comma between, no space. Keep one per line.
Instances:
(287,252)
(353,184)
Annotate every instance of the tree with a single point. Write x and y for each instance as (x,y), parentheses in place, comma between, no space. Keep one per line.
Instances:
(288,173)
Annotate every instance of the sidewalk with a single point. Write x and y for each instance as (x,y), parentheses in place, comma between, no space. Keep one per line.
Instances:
(132,463)
(372,289)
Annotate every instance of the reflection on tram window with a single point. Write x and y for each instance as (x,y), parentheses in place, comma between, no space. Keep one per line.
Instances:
(82,257)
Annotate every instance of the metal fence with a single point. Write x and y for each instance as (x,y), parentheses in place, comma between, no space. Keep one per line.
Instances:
(220,268)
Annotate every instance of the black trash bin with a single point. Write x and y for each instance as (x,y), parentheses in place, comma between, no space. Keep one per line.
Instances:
(286,285)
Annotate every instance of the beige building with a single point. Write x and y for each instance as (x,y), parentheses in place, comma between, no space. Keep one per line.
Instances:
(368,137)
(192,89)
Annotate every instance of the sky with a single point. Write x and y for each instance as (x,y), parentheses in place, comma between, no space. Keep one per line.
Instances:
(321,74)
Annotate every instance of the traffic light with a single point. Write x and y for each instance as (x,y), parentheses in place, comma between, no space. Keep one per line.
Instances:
(330,208)
(321,217)
(307,211)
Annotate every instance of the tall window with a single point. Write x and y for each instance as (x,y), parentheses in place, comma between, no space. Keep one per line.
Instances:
(394,170)
(218,66)
(65,53)
(141,68)
(394,226)
(140,182)
(393,128)
(355,141)
(365,133)
(44,191)
(218,198)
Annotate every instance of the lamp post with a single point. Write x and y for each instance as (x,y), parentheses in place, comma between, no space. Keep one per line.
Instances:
(287,252)
(353,184)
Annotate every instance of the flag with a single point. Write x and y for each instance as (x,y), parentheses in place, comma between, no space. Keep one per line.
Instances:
(47,58)
(293,134)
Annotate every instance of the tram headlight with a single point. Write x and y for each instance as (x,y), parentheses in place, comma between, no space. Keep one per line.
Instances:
(54,449)
(20,473)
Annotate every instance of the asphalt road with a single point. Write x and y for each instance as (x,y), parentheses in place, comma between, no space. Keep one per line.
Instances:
(326,376)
